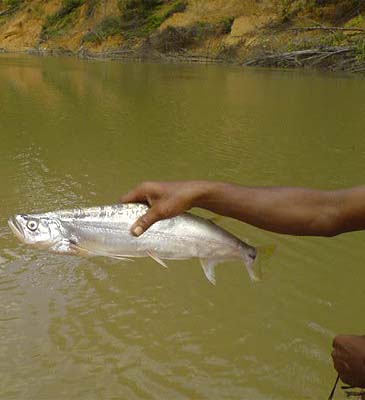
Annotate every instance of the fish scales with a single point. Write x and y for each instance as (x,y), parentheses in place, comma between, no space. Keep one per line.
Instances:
(105,231)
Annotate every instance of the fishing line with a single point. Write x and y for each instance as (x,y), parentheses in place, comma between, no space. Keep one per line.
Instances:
(334,388)
(345,388)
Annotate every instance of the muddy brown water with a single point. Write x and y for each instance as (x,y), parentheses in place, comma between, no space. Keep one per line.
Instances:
(77,133)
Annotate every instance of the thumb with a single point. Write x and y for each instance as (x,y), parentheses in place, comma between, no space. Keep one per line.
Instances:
(143,223)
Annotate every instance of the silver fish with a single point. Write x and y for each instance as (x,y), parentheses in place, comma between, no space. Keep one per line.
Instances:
(105,231)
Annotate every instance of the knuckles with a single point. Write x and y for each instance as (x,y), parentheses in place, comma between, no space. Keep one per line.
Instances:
(143,186)
(339,341)
(148,186)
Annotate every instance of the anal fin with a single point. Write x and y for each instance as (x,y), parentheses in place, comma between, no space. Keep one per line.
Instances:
(208,265)
(157,258)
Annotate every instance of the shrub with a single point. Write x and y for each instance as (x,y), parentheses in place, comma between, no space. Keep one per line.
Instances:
(176,7)
(136,12)
(12,3)
(178,38)
(109,26)
(226,25)
(141,17)
(61,19)
(68,6)
(91,7)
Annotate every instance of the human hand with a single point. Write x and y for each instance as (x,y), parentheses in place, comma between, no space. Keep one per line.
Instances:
(349,359)
(166,200)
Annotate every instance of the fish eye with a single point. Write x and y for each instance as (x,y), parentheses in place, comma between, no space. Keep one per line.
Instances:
(32,225)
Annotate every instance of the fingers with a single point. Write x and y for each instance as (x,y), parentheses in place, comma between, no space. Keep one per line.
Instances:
(348,354)
(143,193)
(134,196)
(143,223)
(162,199)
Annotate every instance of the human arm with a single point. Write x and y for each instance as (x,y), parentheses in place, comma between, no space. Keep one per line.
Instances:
(349,359)
(289,210)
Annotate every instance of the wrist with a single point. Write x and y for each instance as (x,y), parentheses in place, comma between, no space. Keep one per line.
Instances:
(206,193)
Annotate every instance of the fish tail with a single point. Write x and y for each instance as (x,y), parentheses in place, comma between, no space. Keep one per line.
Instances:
(254,258)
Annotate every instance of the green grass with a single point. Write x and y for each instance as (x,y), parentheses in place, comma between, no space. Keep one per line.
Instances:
(12,3)
(226,25)
(360,50)
(136,14)
(141,17)
(176,7)
(58,23)
(38,10)
(10,6)
(91,7)
(173,39)
(109,26)
(355,22)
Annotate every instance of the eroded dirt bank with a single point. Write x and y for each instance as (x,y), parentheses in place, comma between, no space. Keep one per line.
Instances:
(323,34)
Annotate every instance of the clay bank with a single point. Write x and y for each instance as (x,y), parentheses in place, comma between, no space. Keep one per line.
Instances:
(323,34)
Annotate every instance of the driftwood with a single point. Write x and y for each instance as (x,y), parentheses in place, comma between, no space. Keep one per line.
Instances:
(311,57)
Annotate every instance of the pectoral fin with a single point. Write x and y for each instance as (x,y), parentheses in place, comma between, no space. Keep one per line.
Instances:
(82,251)
(63,247)
(157,258)
(208,265)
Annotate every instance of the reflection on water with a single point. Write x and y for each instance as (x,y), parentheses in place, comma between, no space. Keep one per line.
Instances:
(81,133)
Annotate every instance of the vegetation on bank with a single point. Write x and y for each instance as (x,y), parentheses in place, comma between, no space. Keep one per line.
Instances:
(11,6)
(58,22)
(137,19)
(140,18)
(332,11)
(317,33)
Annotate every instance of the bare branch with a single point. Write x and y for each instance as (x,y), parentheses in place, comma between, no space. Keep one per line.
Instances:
(326,28)
(309,57)
(7,11)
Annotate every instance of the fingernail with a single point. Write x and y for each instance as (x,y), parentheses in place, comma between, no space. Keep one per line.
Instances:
(138,230)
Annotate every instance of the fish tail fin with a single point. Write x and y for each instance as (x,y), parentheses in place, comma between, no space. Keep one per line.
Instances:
(254,260)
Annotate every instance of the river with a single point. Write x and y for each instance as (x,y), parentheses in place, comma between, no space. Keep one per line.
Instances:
(81,133)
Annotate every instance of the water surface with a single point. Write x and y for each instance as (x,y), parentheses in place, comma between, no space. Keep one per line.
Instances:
(77,133)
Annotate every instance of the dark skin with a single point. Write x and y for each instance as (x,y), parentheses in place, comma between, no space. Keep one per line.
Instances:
(286,210)
(294,211)
(349,359)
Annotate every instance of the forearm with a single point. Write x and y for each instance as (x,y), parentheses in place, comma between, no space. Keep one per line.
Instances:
(296,211)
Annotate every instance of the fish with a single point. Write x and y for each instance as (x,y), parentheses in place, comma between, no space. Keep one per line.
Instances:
(106,231)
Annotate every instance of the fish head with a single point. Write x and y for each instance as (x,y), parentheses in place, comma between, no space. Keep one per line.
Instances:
(37,230)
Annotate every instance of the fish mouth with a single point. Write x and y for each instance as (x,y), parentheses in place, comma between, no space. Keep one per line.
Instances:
(16,228)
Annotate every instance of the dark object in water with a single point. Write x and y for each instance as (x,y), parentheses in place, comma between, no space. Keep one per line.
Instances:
(349,393)
(330,397)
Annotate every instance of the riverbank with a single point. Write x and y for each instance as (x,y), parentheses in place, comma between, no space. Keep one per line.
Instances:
(287,34)
(334,59)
